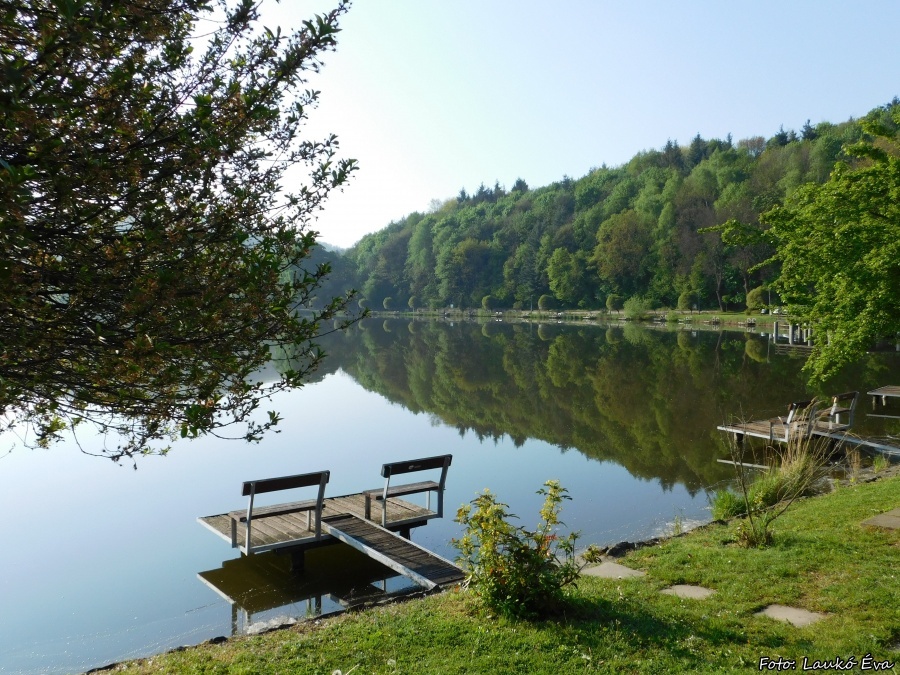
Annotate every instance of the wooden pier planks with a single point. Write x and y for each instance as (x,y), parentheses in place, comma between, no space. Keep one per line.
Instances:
(272,530)
(401,555)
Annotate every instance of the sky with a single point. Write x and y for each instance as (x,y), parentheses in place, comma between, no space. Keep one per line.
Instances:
(431,96)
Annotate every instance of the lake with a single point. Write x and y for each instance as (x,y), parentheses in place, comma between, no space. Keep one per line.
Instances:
(104,562)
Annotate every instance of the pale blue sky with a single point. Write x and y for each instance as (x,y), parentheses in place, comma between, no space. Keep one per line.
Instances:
(434,95)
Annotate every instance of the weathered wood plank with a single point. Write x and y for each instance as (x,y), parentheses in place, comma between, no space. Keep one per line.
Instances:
(279,523)
(401,555)
(405,489)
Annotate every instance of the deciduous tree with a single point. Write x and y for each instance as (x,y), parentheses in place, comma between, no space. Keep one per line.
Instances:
(839,247)
(150,261)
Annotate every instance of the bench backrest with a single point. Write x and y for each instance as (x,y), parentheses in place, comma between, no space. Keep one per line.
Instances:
(798,409)
(251,488)
(285,482)
(410,465)
(441,462)
(841,403)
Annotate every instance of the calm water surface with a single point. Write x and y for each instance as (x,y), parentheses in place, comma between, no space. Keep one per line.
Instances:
(104,563)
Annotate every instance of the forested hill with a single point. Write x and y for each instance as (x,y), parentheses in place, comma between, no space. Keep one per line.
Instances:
(632,230)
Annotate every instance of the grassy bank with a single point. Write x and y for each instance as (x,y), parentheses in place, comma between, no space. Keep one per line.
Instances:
(822,560)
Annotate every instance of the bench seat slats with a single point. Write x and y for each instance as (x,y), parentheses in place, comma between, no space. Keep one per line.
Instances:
(405,489)
(275,510)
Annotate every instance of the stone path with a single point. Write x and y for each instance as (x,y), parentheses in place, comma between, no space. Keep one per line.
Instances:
(792,615)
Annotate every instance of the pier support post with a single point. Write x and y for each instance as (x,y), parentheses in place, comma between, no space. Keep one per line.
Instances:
(298,561)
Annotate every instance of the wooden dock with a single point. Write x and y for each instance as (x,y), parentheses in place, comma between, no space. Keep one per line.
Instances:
(295,527)
(805,419)
(882,394)
(271,532)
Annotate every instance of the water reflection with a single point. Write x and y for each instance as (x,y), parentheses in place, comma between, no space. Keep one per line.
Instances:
(648,400)
(263,590)
(623,416)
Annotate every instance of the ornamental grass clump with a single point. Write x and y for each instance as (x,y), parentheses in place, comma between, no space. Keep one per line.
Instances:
(517,572)
(797,472)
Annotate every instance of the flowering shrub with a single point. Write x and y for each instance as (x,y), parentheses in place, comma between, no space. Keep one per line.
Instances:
(514,571)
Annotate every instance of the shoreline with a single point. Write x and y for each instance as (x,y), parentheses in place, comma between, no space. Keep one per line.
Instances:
(616,551)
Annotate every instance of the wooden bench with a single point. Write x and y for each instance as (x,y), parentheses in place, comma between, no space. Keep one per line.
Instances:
(799,421)
(800,418)
(250,515)
(388,471)
(829,419)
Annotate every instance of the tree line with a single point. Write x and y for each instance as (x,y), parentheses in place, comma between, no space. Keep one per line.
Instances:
(646,229)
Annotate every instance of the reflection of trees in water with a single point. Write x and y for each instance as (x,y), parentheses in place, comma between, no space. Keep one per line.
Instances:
(648,400)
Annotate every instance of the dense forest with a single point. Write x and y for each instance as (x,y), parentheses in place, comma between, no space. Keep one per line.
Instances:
(640,230)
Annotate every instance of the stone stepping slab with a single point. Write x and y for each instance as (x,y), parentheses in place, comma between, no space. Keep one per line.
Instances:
(611,570)
(792,615)
(889,520)
(688,591)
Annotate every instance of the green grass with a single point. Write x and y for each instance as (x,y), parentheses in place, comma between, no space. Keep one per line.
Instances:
(822,560)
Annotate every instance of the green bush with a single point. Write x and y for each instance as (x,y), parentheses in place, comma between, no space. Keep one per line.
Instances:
(687,301)
(756,298)
(517,572)
(388,303)
(613,302)
(636,308)
(546,302)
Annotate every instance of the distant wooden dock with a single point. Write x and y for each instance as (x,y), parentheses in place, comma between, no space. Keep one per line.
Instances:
(375,522)
(882,395)
(803,419)
(806,419)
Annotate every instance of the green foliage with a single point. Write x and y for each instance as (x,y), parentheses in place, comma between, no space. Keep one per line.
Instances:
(839,248)
(514,571)
(613,302)
(546,302)
(388,303)
(150,257)
(636,309)
(488,303)
(687,301)
(592,554)
(653,227)
(727,504)
(757,298)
